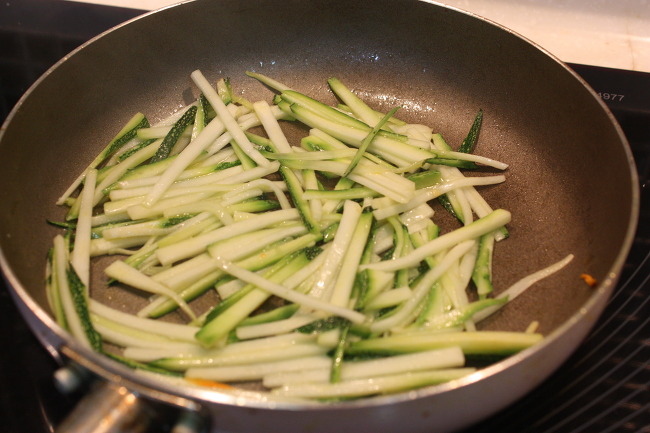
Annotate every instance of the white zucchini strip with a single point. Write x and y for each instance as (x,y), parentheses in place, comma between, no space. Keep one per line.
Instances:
(241,361)
(520,286)
(191,247)
(189,271)
(271,126)
(127,147)
(457,199)
(424,195)
(278,188)
(121,335)
(269,342)
(245,122)
(101,219)
(140,211)
(272,83)
(80,255)
(189,228)
(102,156)
(454,288)
(393,151)
(226,117)
(117,171)
(155,132)
(52,292)
(478,203)
(482,208)
(376,182)
(241,246)
(223,155)
(383,238)
(148,354)
(468,216)
(311,182)
(430,360)
(103,246)
(374,385)
(389,298)
(227,289)
(277,327)
(211,206)
(173,191)
(329,271)
(119,207)
(288,294)
(170,330)
(420,291)
(491,222)
(470,157)
(243,195)
(342,288)
(196,351)
(124,273)
(179,276)
(321,155)
(142,182)
(417,218)
(358,107)
(467,263)
(172,197)
(395,182)
(184,159)
(257,371)
(148,228)
(367,174)
(235,176)
(307,271)
(71,317)
(210,277)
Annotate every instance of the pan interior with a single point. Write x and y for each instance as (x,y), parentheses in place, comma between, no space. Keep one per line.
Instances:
(568,186)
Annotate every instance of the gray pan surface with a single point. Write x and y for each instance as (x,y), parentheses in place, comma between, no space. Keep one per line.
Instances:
(570,187)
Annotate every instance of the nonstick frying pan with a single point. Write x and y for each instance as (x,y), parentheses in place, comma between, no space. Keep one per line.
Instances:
(571,184)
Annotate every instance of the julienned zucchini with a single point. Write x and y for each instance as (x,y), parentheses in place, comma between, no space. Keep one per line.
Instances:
(174,134)
(472,343)
(347,278)
(295,191)
(468,144)
(255,262)
(127,133)
(79,297)
(217,326)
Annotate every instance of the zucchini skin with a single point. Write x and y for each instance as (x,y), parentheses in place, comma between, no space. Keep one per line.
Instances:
(296,192)
(174,134)
(78,291)
(126,134)
(468,144)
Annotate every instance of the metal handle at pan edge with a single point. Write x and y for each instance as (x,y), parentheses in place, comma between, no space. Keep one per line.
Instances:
(108,407)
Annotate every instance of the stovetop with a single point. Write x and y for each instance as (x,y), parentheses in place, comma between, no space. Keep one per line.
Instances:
(602,388)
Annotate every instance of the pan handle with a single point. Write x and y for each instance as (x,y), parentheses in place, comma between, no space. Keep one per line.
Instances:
(112,408)
(108,408)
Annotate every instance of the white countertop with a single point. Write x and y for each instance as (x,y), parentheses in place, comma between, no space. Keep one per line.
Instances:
(611,33)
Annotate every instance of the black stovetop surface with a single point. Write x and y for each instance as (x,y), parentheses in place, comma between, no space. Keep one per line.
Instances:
(602,388)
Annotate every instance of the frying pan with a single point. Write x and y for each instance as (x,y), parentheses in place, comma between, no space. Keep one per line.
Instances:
(571,185)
